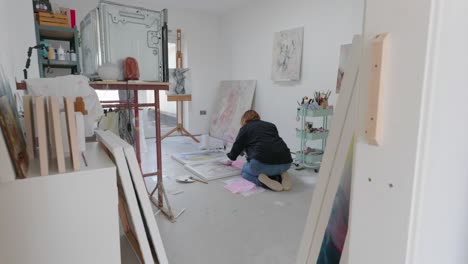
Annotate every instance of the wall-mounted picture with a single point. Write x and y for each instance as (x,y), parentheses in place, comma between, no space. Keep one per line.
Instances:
(344,55)
(179,80)
(287,55)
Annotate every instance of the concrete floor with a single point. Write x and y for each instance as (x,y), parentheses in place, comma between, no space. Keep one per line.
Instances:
(221,227)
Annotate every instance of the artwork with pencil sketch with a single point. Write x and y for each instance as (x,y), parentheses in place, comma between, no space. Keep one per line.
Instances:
(287,55)
(179,81)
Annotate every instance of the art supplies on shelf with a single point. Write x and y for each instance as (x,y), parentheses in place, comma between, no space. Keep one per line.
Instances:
(307,157)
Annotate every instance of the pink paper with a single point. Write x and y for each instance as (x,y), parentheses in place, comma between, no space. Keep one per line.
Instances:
(240,186)
(238,164)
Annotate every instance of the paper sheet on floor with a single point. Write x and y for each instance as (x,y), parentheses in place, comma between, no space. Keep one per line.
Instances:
(243,187)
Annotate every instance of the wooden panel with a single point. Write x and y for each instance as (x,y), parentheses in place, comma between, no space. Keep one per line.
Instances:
(72,134)
(57,20)
(29,125)
(57,132)
(376,84)
(185,97)
(42,135)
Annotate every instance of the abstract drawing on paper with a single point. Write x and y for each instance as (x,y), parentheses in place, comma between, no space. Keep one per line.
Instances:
(212,170)
(234,98)
(199,157)
(287,55)
(345,50)
(179,80)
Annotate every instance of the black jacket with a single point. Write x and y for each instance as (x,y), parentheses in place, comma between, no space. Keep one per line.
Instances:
(261,142)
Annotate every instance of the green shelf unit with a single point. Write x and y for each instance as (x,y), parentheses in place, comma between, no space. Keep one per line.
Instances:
(315,113)
(310,160)
(61,34)
(59,64)
(312,136)
(56,33)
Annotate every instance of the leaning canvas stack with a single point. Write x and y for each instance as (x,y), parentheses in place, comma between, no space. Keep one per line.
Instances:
(47,138)
(135,210)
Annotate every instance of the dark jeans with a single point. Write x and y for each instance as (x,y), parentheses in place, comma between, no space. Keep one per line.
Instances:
(253,168)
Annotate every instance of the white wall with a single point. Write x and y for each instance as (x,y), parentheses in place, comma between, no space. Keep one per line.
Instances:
(440,215)
(248,43)
(201,31)
(18,34)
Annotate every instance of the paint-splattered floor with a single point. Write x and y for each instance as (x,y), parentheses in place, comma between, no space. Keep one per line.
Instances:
(223,228)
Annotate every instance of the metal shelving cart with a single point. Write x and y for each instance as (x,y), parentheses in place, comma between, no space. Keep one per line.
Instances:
(69,35)
(313,158)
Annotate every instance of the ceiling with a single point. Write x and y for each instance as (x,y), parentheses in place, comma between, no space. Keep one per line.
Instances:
(214,6)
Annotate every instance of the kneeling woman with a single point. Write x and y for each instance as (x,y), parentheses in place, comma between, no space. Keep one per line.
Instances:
(268,156)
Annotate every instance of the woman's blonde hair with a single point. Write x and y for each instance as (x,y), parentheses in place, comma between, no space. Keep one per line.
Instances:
(249,116)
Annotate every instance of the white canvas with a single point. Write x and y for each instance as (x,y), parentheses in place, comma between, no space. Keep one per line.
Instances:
(287,55)
(213,170)
(199,156)
(234,98)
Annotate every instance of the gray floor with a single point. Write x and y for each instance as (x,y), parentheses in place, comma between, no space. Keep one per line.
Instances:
(220,227)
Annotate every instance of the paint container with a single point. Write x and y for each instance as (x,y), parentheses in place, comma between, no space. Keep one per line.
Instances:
(205,141)
(72,55)
(51,54)
(61,53)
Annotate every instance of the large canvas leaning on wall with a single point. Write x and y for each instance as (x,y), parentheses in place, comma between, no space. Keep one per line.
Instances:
(11,128)
(234,98)
(287,55)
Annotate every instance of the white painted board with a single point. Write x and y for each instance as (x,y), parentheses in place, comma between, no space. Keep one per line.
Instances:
(115,147)
(66,218)
(144,199)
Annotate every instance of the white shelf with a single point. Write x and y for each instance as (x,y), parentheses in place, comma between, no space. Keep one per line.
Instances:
(96,159)
(62,218)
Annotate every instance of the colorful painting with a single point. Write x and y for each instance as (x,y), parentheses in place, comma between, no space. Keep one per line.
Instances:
(345,50)
(11,129)
(234,98)
(287,55)
(198,157)
(213,170)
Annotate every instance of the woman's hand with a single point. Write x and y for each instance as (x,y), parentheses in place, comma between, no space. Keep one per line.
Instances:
(226,161)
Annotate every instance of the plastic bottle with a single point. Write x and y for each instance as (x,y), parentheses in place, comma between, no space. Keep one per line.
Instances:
(72,55)
(67,56)
(51,54)
(61,53)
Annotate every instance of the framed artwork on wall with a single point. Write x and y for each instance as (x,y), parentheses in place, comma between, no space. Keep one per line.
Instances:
(287,55)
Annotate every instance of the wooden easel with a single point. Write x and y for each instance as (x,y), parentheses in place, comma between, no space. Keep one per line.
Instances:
(180,99)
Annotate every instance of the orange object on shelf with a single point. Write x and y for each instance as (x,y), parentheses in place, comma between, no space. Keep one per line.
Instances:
(80,105)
